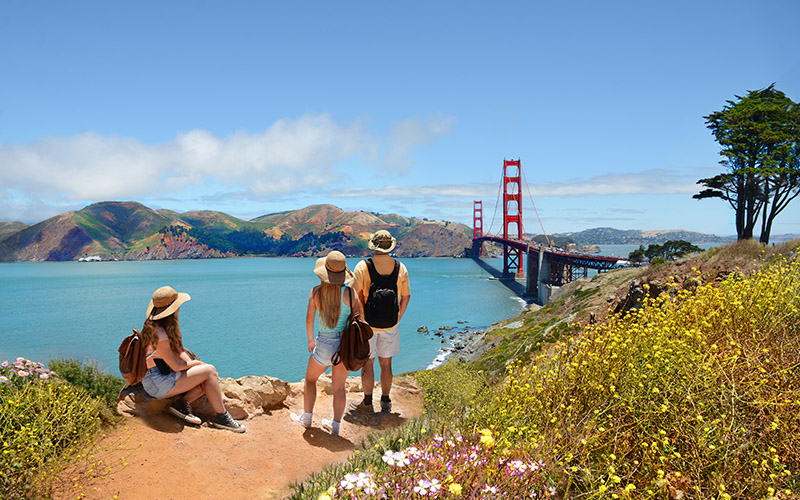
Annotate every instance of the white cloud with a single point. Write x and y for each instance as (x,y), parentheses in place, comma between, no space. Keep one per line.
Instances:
(289,155)
(650,182)
(406,135)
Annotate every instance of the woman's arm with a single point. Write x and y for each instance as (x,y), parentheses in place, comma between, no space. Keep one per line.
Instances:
(175,362)
(310,313)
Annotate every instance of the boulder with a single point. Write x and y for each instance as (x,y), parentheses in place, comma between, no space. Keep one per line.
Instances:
(243,398)
(422,329)
(324,384)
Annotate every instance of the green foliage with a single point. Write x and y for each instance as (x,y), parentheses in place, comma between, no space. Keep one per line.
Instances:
(452,390)
(695,392)
(760,139)
(250,241)
(43,422)
(89,377)
(670,250)
(367,456)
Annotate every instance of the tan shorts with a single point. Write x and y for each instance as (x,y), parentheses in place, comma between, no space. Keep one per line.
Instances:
(385,343)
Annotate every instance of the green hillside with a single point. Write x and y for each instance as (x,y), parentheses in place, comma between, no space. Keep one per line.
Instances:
(132,231)
(677,381)
(9,228)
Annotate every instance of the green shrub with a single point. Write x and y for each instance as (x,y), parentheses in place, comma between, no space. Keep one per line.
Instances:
(452,390)
(89,377)
(697,394)
(43,422)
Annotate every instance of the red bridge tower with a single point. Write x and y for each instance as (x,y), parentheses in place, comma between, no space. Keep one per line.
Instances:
(512,215)
(477,228)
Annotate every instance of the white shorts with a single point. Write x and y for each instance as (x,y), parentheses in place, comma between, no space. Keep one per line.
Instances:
(385,343)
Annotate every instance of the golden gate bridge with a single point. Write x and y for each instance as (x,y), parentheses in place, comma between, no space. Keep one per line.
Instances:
(547,266)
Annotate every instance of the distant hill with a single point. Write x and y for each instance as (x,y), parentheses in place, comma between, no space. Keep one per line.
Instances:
(611,236)
(9,228)
(131,231)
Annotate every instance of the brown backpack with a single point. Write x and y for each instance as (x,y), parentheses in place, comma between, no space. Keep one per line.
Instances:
(132,364)
(354,348)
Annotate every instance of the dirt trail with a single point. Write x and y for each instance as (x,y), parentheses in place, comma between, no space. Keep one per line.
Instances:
(169,460)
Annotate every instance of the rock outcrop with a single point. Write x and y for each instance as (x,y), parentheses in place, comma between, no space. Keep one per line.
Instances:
(244,398)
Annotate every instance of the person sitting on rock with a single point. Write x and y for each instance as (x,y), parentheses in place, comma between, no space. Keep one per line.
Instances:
(334,301)
(170,370)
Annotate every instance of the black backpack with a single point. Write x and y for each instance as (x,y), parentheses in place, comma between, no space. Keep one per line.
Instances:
(382,307)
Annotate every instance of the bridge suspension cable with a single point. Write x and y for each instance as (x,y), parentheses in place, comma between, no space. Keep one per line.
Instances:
(534,209)
(496,204)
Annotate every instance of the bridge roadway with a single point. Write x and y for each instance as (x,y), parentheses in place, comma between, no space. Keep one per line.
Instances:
(549,267)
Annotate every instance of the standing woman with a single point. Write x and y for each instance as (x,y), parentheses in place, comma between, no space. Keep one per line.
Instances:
(170,371)
(334,301)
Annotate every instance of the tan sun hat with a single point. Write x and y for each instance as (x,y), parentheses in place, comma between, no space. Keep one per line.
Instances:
(333,269)
(165,301)
(382,241)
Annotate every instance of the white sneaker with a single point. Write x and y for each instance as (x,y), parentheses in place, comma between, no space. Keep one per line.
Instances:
(331,426)
(305,422)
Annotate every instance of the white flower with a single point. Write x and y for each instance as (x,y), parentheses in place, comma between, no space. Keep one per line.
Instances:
(399,458)
(349,481)
(422,487)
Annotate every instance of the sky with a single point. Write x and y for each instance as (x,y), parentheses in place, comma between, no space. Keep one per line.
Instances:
(408,107)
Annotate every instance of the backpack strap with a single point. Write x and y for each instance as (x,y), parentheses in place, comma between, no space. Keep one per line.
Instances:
(373,273)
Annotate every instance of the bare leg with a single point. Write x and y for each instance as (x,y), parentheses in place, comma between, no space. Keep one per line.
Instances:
(313,371)
(339,377)
(368,377)
(194,394)
(205,375)
(386,375)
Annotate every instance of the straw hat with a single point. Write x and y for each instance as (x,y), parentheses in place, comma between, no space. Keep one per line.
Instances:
(382,241)
(333,269)
(165,301)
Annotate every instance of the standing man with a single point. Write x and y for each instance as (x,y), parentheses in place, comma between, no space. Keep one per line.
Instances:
(382,286)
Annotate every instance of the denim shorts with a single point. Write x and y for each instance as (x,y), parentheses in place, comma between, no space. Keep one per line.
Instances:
(157,385)
(327,345)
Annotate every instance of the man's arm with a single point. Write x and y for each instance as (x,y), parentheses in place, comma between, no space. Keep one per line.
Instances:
(403,304)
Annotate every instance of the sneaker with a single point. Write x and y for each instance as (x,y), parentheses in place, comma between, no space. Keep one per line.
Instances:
(363,407)
(225,421)
(329,426)
(181,409)
(386,406)
(305,422)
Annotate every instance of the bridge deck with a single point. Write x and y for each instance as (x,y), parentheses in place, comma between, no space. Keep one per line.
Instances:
(590,261)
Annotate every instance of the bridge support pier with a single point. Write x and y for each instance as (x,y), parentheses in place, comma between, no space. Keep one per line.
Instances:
(543,279)
(532,275)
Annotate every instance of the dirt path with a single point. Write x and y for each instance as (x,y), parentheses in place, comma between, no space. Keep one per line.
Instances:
(160,458)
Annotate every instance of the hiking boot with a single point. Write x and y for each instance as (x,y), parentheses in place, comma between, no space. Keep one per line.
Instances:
(301,419)
(225,421)
(364,407)
(181,409)
(386,405)
(330,426)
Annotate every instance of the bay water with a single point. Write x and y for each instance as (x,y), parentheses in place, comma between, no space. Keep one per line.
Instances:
(246,316)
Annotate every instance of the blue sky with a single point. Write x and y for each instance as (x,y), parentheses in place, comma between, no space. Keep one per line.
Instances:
(410,107)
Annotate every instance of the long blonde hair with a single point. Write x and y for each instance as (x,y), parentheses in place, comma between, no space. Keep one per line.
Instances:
(170,325)
(329,302)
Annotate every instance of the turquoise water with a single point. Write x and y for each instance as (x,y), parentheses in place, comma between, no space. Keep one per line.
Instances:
(246,316)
